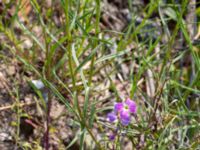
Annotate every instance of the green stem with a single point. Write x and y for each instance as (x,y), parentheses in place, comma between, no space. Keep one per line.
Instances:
(95,41)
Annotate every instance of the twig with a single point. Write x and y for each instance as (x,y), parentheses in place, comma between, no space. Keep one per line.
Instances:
(150,84)
(191,17)
(3,108)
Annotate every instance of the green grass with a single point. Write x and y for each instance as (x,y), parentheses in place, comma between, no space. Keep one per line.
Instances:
(78,61)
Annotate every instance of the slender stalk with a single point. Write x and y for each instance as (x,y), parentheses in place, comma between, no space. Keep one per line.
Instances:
(48,121)
(95,42)
(48,76)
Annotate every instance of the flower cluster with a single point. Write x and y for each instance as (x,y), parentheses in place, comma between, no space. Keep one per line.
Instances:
(122,112)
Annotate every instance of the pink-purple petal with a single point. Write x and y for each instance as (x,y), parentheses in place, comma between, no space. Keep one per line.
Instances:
(112,117)
(125,117)
(131,105)
(118,107)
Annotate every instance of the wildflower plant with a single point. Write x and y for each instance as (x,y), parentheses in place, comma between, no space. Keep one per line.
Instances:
(122,115)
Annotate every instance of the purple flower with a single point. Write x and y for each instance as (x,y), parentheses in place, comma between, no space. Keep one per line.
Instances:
(112,136)
(124,110)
